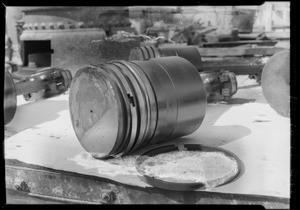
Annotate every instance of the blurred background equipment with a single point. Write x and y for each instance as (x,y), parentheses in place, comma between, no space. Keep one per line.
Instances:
(43,84)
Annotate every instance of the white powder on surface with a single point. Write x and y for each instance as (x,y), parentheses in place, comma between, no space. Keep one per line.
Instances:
(211,168)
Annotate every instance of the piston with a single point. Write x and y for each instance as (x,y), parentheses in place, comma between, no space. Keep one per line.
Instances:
(220,84)
(121,106)
(190,53)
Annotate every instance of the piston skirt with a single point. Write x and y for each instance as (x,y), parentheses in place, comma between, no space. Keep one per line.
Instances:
(121,106)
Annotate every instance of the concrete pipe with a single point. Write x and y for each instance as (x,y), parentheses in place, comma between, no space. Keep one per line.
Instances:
(275,82)
(121,106)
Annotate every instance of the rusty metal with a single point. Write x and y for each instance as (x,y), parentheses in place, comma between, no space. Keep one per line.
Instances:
(75,188)
(275,82)
(119,107)
(45,83)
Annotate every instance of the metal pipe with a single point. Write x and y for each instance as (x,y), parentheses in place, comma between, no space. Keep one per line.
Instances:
(121,106)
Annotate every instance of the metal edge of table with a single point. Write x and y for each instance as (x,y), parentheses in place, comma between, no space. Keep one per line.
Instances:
(64,186)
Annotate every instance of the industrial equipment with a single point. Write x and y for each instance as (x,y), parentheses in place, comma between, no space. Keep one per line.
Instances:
(220,84)
(121,106)
(45,83)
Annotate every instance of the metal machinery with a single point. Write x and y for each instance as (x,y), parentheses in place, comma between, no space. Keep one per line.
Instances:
(121,106)
(62,37)
(57,38)
(45,83)
(220,84)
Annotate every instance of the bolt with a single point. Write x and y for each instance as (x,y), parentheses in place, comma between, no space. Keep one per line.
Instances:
(109,197)
(25,26)
(36,26)
(72,26)
(43,25)
(225,92)
(51,25)
(22,187)
(30,26)
(60,25)
(223,78)
(80,24)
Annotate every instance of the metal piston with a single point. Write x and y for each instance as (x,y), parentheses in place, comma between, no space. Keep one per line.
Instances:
(190,53)
(121,106)
(219,84)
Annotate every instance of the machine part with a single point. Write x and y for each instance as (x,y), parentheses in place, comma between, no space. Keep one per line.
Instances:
(171,183)
(147,52)
(275,82)
(10,98)
(121,106)
(45,83)
(219,84)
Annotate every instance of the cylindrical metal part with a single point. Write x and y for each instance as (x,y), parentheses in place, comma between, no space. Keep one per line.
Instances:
(10,98)
(275,82)
(121,106)
(190,53)
(216,88)
(219,84)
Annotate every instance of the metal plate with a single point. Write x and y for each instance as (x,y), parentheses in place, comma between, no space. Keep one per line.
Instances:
(10,98)
(171,184)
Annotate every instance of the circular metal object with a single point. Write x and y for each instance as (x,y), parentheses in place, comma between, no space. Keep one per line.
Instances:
(10,98)
(275,82)
(176,183)
(97,112)
(119,107)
